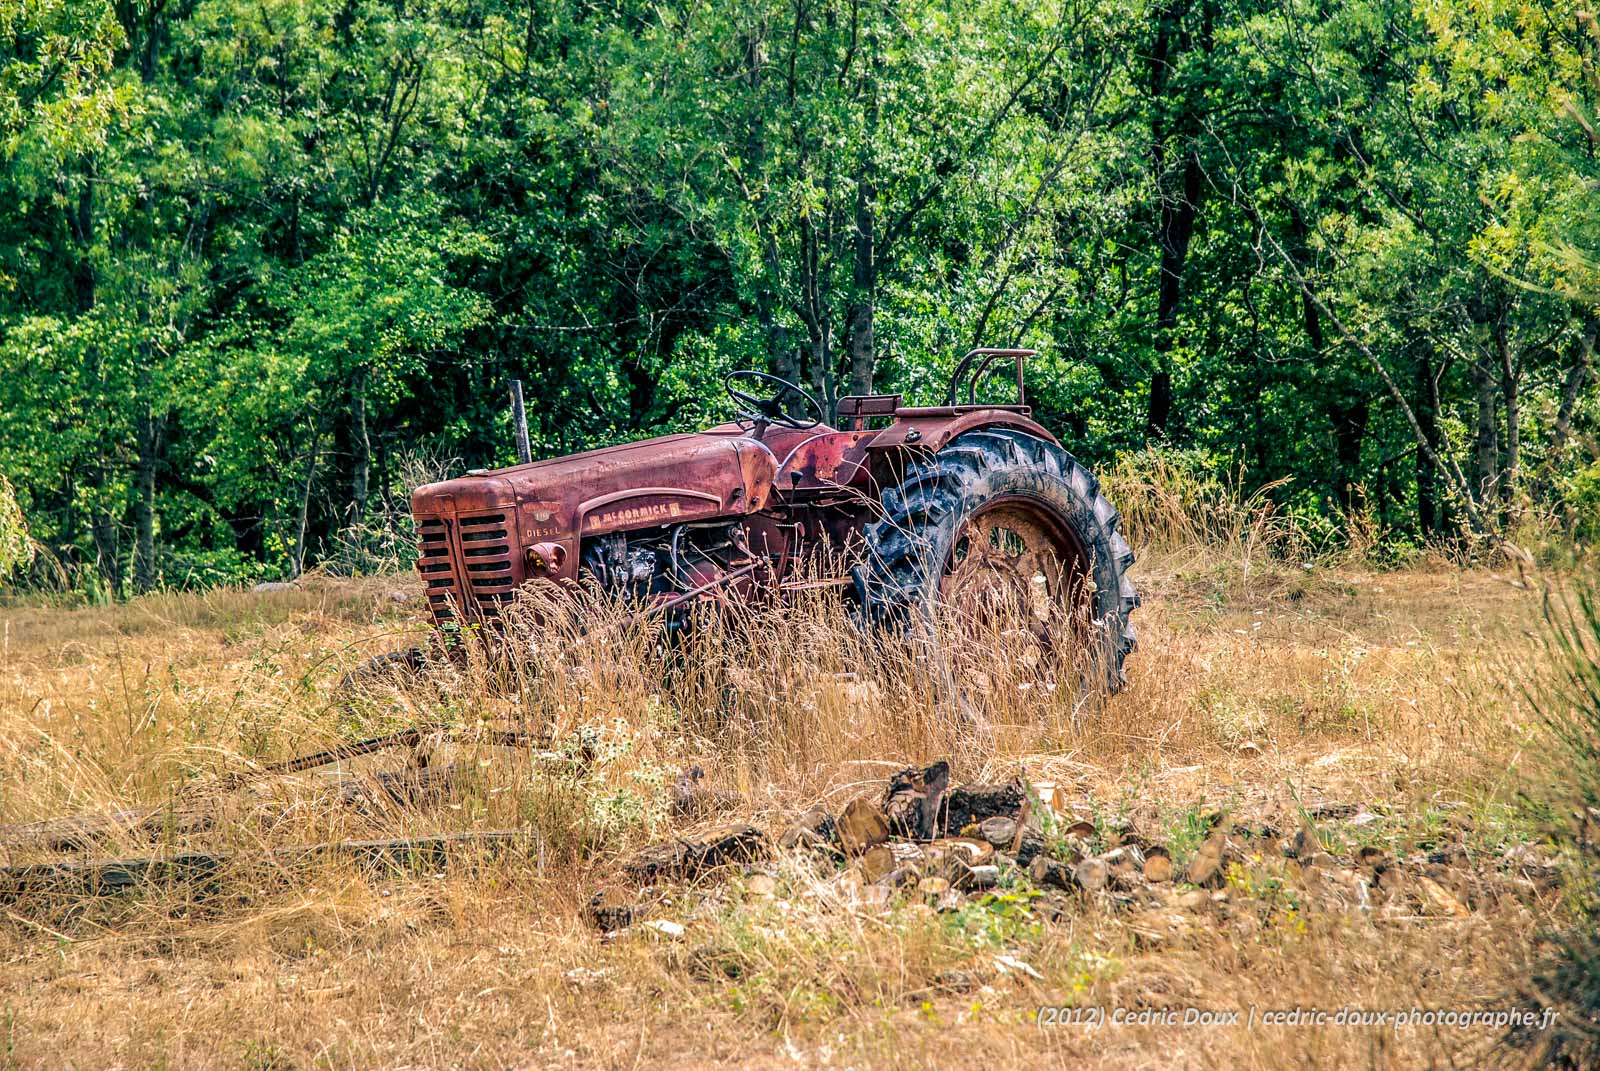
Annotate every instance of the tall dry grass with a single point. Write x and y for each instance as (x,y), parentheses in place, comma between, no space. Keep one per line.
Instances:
(1279,689)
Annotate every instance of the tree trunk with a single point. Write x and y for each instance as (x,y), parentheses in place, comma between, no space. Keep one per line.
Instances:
(1178,217)
(1485,439)
(1510,390)
(103,530)
(1349,431)
(361,454)
(297,555)
(1348,418)
(1179,209)
(1577,374)
(1429,515)
(148,433)
(822,385)
(862,356)
(782,355)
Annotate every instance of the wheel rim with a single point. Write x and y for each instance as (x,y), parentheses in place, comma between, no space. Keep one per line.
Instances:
(1013,564)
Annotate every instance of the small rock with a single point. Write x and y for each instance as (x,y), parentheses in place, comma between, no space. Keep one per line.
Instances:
(1194,899)
(932,888)
(664,927)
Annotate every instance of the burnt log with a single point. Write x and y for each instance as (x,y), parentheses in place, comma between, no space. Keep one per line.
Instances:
(911,803)
(685,860)
(969,805)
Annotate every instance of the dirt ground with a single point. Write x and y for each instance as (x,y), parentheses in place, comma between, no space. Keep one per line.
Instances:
(1384,709)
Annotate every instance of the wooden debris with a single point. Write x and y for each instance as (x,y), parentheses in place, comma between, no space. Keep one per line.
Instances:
(684,860)
(876,863)
(609,909)
(999,831)
(815,829)
(968,805)
(911,803)
(404,788)
(861,826)
(1157,864)
(1048,872)
(94,877)
(78,833)
(1091,875)
(1205,866)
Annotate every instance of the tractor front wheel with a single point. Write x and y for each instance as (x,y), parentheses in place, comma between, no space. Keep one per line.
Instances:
(1001,527)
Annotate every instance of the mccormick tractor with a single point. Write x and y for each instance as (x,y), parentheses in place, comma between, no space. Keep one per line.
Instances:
(911,511)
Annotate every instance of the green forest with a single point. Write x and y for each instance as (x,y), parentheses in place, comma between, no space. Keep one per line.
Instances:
(267,264)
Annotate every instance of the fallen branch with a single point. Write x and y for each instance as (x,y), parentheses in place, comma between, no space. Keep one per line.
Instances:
(78,832)
(98,877)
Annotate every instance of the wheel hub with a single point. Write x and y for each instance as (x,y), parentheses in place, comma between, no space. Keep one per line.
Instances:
(1012,565)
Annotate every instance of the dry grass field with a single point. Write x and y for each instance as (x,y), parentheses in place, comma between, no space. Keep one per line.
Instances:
(1386,706)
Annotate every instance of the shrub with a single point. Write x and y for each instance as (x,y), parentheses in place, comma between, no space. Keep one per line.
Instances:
(1566,977)
(16,548)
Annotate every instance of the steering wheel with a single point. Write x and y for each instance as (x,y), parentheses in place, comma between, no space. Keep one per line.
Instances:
(770,410)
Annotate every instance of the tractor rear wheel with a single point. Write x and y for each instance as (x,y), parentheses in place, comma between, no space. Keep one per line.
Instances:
(1000,522)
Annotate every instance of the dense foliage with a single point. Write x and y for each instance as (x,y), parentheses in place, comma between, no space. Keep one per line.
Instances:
(263,264)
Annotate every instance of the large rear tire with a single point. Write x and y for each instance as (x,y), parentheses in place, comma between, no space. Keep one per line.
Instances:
(1000,512)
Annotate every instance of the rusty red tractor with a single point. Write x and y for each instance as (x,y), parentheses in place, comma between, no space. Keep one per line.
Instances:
(911,511)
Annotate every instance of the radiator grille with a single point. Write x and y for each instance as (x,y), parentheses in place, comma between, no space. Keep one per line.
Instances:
(465,564)
(486,554)
(437,569)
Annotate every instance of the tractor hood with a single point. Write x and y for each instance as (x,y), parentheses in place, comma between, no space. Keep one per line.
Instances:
(480,526)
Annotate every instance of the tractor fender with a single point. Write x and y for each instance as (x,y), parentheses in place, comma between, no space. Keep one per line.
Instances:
(924,430)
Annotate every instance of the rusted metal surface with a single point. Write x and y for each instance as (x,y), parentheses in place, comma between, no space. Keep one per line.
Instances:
(794,491)
(974,367)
